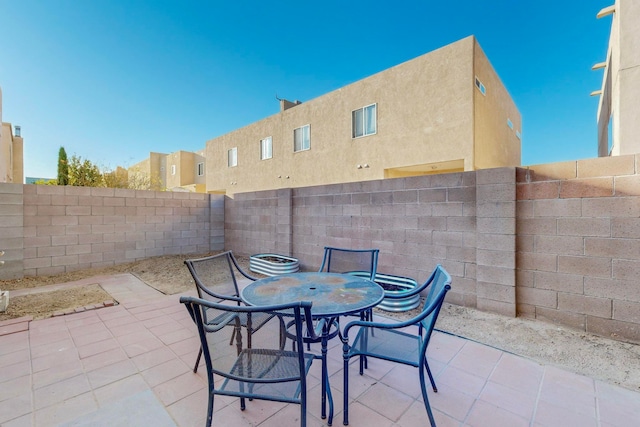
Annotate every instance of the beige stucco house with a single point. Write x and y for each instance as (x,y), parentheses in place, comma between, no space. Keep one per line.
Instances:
(443,111)
(618,109)
(11,152)
(178,171)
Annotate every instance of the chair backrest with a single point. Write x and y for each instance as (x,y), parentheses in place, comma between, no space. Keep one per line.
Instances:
(440,285)
(339,260)
(216,276)
(264,362)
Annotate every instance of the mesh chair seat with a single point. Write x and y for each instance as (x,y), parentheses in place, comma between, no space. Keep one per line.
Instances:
(388,344)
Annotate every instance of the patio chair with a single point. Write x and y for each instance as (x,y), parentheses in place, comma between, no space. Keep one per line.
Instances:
(394,343)
(359,262)
(216,279)
(265,371)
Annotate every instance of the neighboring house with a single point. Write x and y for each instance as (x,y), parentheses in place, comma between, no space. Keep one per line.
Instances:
(619,110)
(179,171)
(11,152)
(444,111)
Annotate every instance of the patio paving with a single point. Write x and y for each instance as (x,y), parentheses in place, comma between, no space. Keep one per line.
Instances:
(130,365)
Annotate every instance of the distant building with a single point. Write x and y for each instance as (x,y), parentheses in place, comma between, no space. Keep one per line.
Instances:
(178,171)
(11,151)
(33,180)
(619,109)
(444,111)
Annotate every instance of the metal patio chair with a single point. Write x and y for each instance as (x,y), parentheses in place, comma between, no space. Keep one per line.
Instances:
(396,342)
(265,371)
(216,279)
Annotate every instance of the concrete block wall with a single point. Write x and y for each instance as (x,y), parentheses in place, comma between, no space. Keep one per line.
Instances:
(578,244)
(65,228)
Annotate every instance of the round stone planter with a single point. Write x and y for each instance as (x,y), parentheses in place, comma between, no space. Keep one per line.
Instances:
(397,285)
(273,264)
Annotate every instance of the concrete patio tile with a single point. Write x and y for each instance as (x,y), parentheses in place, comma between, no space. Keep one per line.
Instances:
(485,414)
(363,416)
(178,388)
(55,373)
(549,414)
(48,349)
(563,394)
(153,358)
(416,416)
(54,358)
(49,338)
(617,406)
(257,411)
(518,373)
(60,391)
(105,358)
(15,387)
(517,402)
(97,348)
(18,369)
(192,409)
(111,373)
(23,421)
(165,372)
(119,390)
(15,407)
(112,313)
(443,347)
(66,410)
(175,336)
(187,346)
(123,318)
(396,402)
(143,346)
(461,381)
(82,321)
(12,358)
(130,333)
(80,327)
(99,334)
(406,379)
(13,343)
(477,359)
(451,402)
(290,416)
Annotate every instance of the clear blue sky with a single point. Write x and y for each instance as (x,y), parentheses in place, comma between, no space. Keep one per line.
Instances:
(113,80)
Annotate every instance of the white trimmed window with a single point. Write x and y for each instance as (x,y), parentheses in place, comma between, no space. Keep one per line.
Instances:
(363,121)
(266,148)
(173,169)
(232,157)
(301,138)
(480,86)
(200,168)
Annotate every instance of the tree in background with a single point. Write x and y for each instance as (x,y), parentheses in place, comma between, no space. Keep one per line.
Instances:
(63,167)
(83,173)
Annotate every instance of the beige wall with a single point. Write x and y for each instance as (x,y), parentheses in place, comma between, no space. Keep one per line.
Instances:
(186,176)
(425,124)
(621,83)
(11,156)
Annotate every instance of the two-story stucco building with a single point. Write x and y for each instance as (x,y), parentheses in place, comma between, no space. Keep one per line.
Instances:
(11,152)
(178,171)
(444,111)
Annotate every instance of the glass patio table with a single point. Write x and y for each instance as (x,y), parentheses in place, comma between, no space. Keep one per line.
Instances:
(332,295)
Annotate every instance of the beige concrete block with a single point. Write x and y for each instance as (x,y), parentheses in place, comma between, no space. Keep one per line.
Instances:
(464,254)
(606,166)
(627,185)
(496,292)
(526,311)
(110,192)
(51,190)
(431,195)
(71,190)
(553,171)
(568,283)
(90,220)
(612,288)
(496,209)
(51,251)
(502,242)
(536,261)
(447,180)
(497,275)
(496,193)
(496,176)
(616,207)
(561,245)
(524,243)
(572,320)
(50,230)
(78,210)
(524,278)
(37,199)
(461,223)
(447,238)
(536,226)
(585,266)
(613,329)
(494,225)
(628,228)
(77,250)
(626,311)
(11,210)
(11,198)
(587,187)
(614,248)
(581,304)
(557,208)
(538,190)
(65,200)
(37,241)
(36,263)
(584,227)
(51,210)
(626,269)
(461,194)
(447,209)
(64,220)
(506,259)
(64,240)
(537,297)
(499,307)
(11,188)
(408,196)
(7,243)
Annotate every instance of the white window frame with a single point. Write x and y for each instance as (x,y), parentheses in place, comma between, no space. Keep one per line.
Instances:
(200,169)
(365,130)
(480,86)
(303,147)
(266,148)
(232,157)
(173,169)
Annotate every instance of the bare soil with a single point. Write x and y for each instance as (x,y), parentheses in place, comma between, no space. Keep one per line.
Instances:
(601,358)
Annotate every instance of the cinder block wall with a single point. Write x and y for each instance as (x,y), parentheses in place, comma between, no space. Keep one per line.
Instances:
(578,244)
(47,230)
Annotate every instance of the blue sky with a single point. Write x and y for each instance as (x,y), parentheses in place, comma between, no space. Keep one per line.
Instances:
(113,80)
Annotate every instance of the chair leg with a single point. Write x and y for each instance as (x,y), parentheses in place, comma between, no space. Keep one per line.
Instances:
(195,367)
(423,387)
(210,409)
(433,383)
(345,392)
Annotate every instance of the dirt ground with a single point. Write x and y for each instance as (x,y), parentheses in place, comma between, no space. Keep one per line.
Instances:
(598,357)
